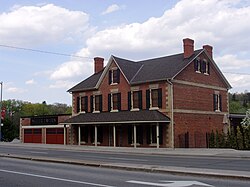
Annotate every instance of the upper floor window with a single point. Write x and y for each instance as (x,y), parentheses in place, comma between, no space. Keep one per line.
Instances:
(82,104)
(154,98)
(135,100)
(205,67)
(114,101)
(217,103)
(96,103)
(197,65)
(114,76)
(202,66)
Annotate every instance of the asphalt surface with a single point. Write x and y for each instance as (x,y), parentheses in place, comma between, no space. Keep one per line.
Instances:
(27,173)
(210,162)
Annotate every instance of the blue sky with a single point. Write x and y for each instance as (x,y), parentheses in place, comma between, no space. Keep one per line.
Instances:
(126,28)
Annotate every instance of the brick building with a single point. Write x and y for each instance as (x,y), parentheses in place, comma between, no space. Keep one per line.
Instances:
(45,129)
(172,101)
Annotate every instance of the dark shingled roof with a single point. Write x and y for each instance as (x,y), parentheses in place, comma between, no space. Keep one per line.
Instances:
(128,67)
(88,83)
(142,116)
(162,68)
(142,71)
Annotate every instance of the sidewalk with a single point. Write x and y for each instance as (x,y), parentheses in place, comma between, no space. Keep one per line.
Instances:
(245,175)
(162,151)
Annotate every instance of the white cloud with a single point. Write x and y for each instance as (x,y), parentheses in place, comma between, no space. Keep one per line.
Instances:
(218,23)
(62,84)
(72,69)
(30,82)
(48,23)
(15,90)
(210,22)
(111,8)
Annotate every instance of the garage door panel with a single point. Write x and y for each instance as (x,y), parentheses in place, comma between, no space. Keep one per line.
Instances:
(55,136)
(32,135)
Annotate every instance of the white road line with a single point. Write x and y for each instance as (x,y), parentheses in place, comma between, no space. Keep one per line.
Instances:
(54,178)
(38,152)
(130,159)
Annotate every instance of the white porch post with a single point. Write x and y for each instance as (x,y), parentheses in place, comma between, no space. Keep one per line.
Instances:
(134,136)
(114,135)
(79,135)
(157,135)
(45,132)
(64,133)
(95,135)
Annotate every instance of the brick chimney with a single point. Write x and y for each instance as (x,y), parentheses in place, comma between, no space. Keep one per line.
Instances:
(209,50)
(188,46)
(98,64)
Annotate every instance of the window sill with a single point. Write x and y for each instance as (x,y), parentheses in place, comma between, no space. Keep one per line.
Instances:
(96,111)
(153,144)
(137,144)
(197,72)
(98,143)
(82,112)
(206,74)
(154,108)
(113,84)
(114,111)
(217,111)
(134,109)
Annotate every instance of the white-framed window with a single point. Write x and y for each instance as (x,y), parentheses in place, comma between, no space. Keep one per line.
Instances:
(206,67)
(217,102)
(96,103)
(114,76)
(154,98)
(114,102)
(135,100)
(82,104)
(197,65)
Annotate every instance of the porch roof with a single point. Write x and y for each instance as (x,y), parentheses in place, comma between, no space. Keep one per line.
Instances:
(142,116)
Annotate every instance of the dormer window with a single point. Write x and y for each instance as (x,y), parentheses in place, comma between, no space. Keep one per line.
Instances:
(202,66)
(205,67)
(197,65)
(114,76)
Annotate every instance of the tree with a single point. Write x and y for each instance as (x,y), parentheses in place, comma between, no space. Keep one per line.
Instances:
(240,141)
(246,129)
(211,140)
(16,108)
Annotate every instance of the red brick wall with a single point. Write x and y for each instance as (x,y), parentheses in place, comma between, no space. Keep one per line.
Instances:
(197,125)
(123,87)
(190,75)
(196,98)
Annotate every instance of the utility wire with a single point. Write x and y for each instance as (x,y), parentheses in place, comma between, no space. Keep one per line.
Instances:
(77,56)
(42,51)
(237,73)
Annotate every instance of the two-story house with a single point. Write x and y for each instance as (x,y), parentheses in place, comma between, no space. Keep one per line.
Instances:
(171,101)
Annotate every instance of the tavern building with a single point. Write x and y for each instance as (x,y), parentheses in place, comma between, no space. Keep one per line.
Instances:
(171,101)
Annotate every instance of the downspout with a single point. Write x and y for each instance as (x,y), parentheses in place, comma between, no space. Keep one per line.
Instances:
(172,111)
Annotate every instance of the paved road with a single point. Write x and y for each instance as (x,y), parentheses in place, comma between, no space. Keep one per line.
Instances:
(15,172)
(203,162)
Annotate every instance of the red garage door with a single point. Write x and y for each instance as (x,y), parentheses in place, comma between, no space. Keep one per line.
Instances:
(32,135)
(55,136)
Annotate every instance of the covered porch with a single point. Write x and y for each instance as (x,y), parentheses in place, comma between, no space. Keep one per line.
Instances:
(121,129)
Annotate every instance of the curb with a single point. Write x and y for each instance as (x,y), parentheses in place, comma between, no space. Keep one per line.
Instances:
(130,151)
(145,168)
